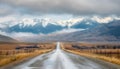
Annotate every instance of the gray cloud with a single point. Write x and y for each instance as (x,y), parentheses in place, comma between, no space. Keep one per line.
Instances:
(5,11)
(75,7)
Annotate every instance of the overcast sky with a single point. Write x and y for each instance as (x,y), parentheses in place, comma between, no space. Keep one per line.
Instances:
(72,7)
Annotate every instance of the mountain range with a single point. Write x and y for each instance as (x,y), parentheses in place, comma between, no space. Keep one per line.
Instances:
(103,32)
(106,32)
(46,25)
(93,31)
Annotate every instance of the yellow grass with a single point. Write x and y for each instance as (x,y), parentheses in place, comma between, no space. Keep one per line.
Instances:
(8,52)
(17,57)
(109,59)
(87,53)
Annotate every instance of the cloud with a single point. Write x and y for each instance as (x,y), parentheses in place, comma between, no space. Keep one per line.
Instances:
(70,22)
(4,11)
(20,35)
(27,36)
(7,19)
(75,7)
(102,20)
(66,31)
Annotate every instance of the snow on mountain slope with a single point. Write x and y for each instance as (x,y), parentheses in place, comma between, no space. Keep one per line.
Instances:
(48,25)
(45,21)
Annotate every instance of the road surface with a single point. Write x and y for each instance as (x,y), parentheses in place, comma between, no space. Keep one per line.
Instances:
(59,59)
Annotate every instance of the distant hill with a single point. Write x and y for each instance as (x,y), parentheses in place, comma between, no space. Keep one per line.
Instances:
(105,32)
(6,39)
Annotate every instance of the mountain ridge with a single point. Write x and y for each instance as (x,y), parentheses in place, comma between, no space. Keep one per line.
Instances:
(99,33)
(6,39)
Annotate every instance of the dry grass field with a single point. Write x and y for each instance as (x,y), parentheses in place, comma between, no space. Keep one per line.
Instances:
(104,51)
(11,52)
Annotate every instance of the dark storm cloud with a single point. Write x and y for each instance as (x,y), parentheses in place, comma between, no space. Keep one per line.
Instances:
(75,7)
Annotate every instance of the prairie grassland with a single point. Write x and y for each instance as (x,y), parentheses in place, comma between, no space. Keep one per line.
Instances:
(9,53)
(12,46)
(6,59)
(110,55)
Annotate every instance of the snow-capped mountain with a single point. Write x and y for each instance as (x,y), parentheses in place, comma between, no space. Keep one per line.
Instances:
(106,32)
(48,29)
(37,28)
(86,24)
(47,25)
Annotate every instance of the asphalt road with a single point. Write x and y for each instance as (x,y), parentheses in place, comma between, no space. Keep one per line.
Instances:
(59,59)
